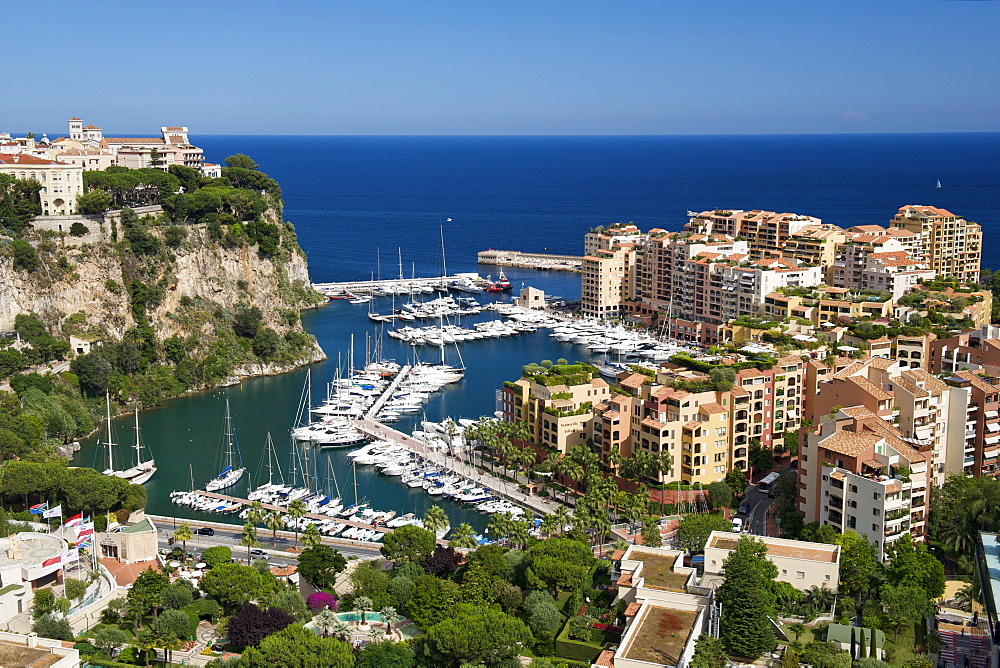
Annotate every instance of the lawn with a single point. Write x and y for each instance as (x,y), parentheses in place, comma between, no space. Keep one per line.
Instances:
(662,636)
(657,570)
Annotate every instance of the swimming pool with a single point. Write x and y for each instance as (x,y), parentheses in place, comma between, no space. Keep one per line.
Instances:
(370,617)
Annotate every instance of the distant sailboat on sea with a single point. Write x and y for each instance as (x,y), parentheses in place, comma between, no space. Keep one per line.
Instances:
(938,184)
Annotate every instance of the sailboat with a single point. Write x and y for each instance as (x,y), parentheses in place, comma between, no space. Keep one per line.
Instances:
(142,471)
(234,469)
(938,183)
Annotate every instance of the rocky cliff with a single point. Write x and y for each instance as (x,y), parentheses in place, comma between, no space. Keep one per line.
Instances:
(151,280)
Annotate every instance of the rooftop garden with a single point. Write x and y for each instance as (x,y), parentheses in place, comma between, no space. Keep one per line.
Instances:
(548,374)
(658,571)
(762,362)
(662,636)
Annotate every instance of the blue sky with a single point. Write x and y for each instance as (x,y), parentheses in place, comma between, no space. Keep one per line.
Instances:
(512,67)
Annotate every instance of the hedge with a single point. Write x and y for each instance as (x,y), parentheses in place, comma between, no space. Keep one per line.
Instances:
(574,649)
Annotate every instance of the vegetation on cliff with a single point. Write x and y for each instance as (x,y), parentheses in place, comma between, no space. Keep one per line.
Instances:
(207,290)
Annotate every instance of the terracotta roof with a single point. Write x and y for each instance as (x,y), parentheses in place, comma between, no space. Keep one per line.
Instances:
(283,571)
(892,488)
(174,129)
(981,384)
(176,139)
(625,580)
(881,363)
(76,119)
(838,475)
(632,609)
(617,555)
(713,408)
(134,140)
(606,658)
(869,388)
(91,127)
(25,159)
(635,380)
(850,443)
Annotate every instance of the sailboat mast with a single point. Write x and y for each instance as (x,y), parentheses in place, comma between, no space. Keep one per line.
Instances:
(138,442)
(229,436)
(399,251)
(354,466)
(107,404)
(444,264)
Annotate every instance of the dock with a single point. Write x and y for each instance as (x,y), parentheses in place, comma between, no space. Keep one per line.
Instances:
(499,487)
(392,285)
(384,397)
(284,510)
(542,261)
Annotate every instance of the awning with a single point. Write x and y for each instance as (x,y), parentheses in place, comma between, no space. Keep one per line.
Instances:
(990,440)
(992,426)
(992,414)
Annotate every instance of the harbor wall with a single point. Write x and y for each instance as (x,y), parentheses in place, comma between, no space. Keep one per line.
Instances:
(542,261)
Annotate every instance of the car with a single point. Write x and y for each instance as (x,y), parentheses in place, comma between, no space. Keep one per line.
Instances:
(744,510)
(737,524)
(205,531)
(771,493)
(259,554)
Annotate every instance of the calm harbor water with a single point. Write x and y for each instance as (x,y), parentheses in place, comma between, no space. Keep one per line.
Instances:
(356,200)
(186,434)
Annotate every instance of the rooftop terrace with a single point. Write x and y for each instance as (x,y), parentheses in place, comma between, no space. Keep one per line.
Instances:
(661,636)
(657,570)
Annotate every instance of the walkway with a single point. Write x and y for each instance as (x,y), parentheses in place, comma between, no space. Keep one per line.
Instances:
(377,406)
(535,504)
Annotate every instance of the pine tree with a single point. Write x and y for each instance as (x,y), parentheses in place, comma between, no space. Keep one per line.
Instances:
(747,600)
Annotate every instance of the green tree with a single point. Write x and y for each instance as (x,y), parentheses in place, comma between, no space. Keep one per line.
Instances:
(747,600)
(220,554)
(912,565)
(249,538)
(558,564)
(297,510)
(385,655)
(475,635)
(176,596)
(108,637)
(235,584)
(241,161)
(95,201)
(709,653)
(462,536)
(147,593)
(174,625)
(320,565)
(720,494)
(859,563)
(544,621)
(694,530)
(436,519)
(904,605)
(25,256)
(651,535)
(296,646)
(408,544)
(824,655)
(274,520)
(49,626)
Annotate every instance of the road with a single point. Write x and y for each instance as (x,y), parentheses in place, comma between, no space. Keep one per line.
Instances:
(231,536)
(757,503)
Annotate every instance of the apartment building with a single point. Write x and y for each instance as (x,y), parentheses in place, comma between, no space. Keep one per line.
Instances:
(969,351)
(766,231)
(815,244)
(802,564)
(926,411)
(976,447)
(859,472)
(952,246)
(61,182)
(609,279)
(557,405)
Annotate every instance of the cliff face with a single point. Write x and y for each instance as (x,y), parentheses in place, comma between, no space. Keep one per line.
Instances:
(197,285)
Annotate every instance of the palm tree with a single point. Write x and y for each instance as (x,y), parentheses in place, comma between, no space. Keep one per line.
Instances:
(146,642)
(965,597)
(820,598)
(798,628)
(362,604)
(500,525)
(519,532)
(389,617)
(572,470)
(340,629)
(614,458)
(959,533)
(274,520)
(563,517)
(184,534)
(548,525)
(325,621)
(464,536)
(249,538)
(436,519)
(297,509)
(256,512)
(378,635)
(311,536)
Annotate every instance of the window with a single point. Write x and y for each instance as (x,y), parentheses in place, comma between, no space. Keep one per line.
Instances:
(800,575)
(876,511)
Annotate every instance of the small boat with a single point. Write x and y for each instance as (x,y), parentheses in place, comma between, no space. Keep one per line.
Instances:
(938,184)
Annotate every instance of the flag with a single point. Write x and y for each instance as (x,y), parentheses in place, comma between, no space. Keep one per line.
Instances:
(38,508)
(52,561)
(53,512)
(80,533)
(82,545)
(70,555)
(73,521)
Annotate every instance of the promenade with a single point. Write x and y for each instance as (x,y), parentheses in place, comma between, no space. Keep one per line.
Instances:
(498,486)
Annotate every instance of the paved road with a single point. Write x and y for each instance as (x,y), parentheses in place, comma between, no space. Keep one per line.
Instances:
(757,504)
(232,537)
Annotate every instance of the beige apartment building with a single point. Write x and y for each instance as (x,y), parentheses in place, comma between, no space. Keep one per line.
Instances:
(766,231)
(952,246)
(800,563)
(61,182)
(609,278)
(857,471)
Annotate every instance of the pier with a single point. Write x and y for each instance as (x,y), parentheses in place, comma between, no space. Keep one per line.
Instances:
(499,487)
(282,509)
(384,397)
(543,261)
(393,285)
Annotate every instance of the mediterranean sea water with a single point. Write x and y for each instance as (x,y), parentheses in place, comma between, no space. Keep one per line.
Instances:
(359,203)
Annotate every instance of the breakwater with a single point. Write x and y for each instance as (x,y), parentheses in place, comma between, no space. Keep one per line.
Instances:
(541,261)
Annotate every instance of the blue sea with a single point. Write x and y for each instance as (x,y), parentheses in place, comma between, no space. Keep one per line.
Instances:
(361,203)
(351,197)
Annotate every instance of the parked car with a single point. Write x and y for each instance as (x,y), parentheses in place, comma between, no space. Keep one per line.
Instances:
(737,524)
(259,554)
(205,531)
(744,510)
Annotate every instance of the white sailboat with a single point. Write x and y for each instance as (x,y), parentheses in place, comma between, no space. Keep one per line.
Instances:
(143,470)
(233,467)
(938,184)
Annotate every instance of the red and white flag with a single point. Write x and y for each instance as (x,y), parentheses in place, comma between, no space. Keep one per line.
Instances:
(53,512)
(73,521)
(51,562)
(70,555)
(84,529)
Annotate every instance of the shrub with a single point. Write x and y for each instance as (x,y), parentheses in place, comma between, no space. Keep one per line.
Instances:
(321,600)
(56,628)
(78,229)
